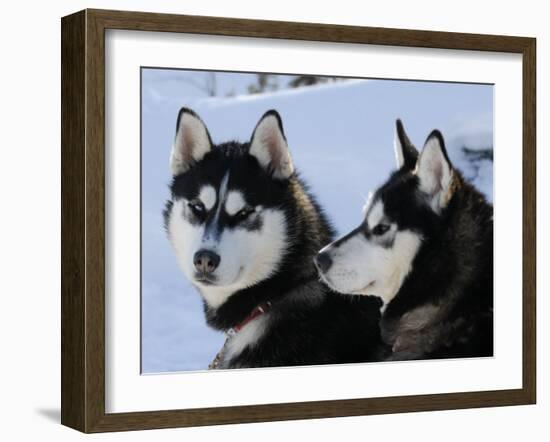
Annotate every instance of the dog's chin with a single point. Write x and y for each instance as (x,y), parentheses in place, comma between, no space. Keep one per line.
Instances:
(213,281)
(364,290)
(328,282)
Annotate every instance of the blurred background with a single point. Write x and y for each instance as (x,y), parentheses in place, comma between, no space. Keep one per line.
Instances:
(340,133)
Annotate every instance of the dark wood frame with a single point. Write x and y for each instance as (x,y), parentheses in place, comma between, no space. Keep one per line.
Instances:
(83,220)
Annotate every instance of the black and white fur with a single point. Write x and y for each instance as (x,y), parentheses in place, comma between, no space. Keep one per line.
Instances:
(425,247)
(245,231)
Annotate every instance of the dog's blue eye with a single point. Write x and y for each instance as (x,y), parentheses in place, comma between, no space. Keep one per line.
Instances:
(380,229)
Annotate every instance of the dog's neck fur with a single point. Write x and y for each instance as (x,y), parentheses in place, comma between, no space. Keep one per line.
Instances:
(446,275)
(308,239)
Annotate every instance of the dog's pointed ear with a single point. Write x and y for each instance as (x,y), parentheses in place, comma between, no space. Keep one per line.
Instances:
(191,143)
(435,171)
(268,145)
(406,154)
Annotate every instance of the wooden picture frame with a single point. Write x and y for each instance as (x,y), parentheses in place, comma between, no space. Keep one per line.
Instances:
(83,219)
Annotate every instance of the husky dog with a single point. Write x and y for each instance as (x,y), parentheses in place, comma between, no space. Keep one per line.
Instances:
(245,231)
(425,247)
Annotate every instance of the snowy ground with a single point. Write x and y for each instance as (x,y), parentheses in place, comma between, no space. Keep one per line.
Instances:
(340,136)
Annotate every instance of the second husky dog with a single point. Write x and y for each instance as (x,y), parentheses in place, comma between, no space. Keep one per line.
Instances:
(425,247)
(245,231)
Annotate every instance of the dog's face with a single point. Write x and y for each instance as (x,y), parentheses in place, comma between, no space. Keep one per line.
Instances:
(376,257)
(226,220)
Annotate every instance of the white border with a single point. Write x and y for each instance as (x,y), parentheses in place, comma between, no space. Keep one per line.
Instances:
(127,390)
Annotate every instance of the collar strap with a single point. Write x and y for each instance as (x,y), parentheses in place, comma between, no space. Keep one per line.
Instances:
(264,307)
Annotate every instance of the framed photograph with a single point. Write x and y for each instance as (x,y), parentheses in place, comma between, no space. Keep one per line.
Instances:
(266,220)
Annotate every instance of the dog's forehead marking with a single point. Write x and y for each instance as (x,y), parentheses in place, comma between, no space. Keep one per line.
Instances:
(212,232)
(222,191)
(234,202)
(375,214)
(207,195)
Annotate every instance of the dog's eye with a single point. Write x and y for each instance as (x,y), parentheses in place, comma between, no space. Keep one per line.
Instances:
(197,207)
(380,229)
(244,213)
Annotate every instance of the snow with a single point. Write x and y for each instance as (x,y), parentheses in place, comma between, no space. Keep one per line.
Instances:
(341,140)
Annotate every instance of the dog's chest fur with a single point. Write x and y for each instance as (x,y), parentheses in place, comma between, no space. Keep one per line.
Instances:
(248,337)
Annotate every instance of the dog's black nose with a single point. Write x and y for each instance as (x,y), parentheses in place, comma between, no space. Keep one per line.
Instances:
(323,261)
(206,261)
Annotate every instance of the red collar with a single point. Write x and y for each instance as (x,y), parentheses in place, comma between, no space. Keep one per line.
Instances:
(264,307)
